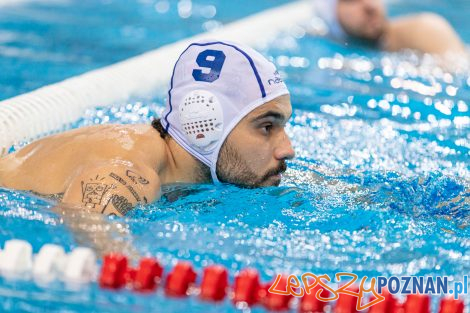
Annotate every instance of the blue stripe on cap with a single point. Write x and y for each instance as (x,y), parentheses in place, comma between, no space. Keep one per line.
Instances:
(250,60)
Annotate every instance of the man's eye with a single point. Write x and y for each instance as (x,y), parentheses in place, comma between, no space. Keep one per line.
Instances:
(267,128)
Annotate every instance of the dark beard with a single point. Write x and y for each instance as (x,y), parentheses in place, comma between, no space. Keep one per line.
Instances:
(202,173)
(232,169)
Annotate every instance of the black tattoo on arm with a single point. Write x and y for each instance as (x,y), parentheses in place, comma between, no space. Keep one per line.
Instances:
(120,203)
(136,178)
(134,193)
(119,179)
(93,191)
(123,182)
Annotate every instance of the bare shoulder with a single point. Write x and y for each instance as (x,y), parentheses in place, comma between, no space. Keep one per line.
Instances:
(427,32)
(113,187)
(422,22)
(422,17)
(45,166)
(432,20)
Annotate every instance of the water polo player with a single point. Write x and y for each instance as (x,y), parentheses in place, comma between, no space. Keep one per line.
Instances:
(224,122)
(367,21)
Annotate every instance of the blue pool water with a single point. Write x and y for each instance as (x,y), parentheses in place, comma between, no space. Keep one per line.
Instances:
(42,42)
(380,185)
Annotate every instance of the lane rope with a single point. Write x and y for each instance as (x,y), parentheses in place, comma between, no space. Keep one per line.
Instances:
(80,267)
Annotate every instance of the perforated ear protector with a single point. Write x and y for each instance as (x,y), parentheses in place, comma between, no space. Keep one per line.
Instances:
(201,119)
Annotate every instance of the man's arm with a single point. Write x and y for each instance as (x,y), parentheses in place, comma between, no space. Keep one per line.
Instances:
(429,33)
(113,189)
(442,36)
(108,189)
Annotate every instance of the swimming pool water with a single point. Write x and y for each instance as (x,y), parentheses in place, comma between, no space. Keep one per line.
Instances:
(42,42)
(380,185)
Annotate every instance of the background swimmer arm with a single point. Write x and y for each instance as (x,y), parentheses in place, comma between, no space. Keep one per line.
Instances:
(114,189)
(442,36)
(426,32)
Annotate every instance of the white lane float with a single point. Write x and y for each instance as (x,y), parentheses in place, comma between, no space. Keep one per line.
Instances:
(16,258)
(49,263)
(81,266)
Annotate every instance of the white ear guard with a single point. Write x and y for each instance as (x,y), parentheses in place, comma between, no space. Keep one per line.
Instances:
(201,119)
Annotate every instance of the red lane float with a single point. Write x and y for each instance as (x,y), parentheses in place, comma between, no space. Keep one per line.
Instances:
(450,305)
(389,305)
(347,303)
(272,301)
(246,287)
(214,283)
(129,276)
(309,302)
(147,275)
(113,271)
(417,304)
(179,280)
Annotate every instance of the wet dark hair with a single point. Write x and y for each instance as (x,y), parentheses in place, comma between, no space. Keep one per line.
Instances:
(157,124)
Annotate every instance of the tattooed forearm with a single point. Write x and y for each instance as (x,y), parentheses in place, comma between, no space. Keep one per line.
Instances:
(129,187)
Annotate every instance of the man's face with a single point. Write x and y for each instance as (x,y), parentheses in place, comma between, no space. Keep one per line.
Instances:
(364,19)
(254,153)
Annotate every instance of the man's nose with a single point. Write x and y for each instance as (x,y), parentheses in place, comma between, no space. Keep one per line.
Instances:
(284,150)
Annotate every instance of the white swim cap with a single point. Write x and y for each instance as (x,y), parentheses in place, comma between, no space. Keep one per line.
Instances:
(214,85)
(327,10)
